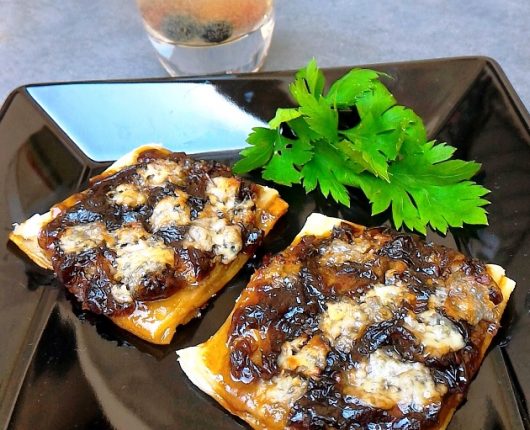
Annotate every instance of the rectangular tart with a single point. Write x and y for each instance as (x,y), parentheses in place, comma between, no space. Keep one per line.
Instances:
(152,239)
(353,327)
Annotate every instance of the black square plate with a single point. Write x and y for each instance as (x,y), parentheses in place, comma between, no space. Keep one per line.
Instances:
(62,369)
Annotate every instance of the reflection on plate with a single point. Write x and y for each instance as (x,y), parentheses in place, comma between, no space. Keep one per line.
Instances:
(62,368)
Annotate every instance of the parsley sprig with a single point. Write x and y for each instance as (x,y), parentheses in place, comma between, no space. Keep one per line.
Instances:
(384,151)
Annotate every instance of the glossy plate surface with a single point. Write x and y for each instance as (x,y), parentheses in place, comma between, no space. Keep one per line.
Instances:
(61,368)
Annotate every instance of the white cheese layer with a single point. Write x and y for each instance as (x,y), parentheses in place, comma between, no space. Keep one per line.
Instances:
(159,172)
(222,197)
(339,252)
(82,237)
(466,299)
(222,193)
(384,381)
(305,357)
(127,195)
(386,295)
(280,392)
(345,320)
(137,255)
(127,235)
(170,212)
(213,234)
(435,332)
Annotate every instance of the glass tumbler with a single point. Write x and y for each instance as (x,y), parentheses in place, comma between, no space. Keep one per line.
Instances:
(204,37)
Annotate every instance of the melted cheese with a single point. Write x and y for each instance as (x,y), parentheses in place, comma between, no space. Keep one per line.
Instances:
(244,212)
(154,321)
(464,299)
(127,195)
(128,235)
(222,192)
(170,212)
(222,197)
(159,172)
(345,320)
(212,234)
(282,390)
(121,293)
(80,238)
(199,236)
(217,229)
(136,256)
(437,299)
(305,357)
(435,332)
(340,252)
(228,243)
(383,381)
(386,295)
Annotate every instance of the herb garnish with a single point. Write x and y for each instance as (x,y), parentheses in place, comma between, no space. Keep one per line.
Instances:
(357,135)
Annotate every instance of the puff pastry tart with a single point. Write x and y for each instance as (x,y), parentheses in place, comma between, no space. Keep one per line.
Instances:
(152,239)
(353,327)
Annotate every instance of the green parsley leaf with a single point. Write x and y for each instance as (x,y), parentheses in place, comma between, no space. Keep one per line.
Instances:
(377,140)
(288,156)
(328,170)
(259,153)
(376,101)
(313,77)
(302,129)
(317,112)
(386,154)
(346,91)
(284,115)
(425,189)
